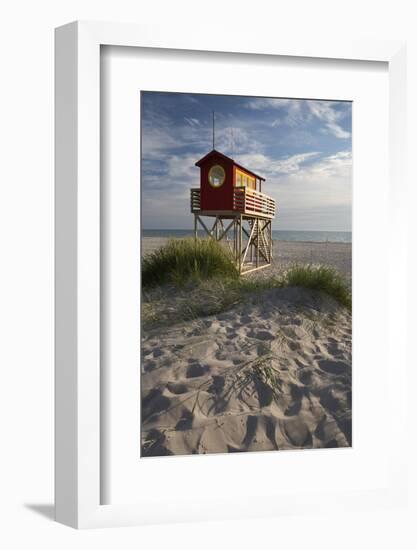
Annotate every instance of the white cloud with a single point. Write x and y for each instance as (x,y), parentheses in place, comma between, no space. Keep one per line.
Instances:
(336,168)
(267,102)
(294,115)
(307,185)
(324,111)
(293,164)
(193,122)
(268,167)
(236,140)
(319,193)
(156,142)
(166,195)
(290,112)
(257,162)
(181,170)
(337,131)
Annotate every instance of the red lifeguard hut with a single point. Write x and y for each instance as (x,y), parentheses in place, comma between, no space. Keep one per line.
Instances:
(232,195)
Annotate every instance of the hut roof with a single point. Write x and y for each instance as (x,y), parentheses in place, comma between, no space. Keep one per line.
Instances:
(225,157)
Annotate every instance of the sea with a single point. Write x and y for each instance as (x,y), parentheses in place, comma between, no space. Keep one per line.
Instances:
(304,236)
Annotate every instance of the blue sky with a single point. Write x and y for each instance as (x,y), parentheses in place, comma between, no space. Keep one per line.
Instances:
(302,147)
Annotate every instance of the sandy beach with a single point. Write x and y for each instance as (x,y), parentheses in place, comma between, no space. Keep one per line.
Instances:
(272,373)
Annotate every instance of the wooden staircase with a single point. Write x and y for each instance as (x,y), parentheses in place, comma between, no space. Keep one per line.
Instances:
(259,240)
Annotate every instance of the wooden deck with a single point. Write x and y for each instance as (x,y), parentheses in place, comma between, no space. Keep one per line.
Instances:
(245,201)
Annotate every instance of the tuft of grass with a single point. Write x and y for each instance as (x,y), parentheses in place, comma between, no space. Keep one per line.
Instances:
(182,260)
(315,277)
(267,375)
(320,277)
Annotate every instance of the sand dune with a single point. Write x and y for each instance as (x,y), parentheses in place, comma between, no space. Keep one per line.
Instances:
(270,374)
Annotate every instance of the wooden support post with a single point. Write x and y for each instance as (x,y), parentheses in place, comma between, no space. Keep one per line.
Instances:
(213,231)
(251,251)
(195,227)
(204,226)
(257,241)
(236,241)
(252,246)
(266,249)
(225,231)
(234,238)
(249,243)
(240,244)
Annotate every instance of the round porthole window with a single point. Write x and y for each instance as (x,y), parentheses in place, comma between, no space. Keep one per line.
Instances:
(216,176)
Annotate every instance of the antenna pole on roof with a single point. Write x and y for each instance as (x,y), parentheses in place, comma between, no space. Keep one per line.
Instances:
(213,129)
(233,143)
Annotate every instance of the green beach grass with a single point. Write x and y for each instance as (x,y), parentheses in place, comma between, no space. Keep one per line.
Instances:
(182,262)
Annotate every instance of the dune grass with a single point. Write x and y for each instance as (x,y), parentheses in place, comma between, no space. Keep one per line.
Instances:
(207,269)
(182,260)
(323,278)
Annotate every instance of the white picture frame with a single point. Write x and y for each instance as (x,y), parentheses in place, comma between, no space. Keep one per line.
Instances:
(78,320)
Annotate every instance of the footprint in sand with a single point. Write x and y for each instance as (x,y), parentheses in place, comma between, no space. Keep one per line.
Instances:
(294,346)
(186,420)
(265,393)
(333,367)
(149,365)
(334,350)
(297,394)
(329,401)
(221,356)
(217,385)
(154,402)
(270,427)
(196,370)
(322,428)
(297,433)
(153,444)
(306,376)
(177,388)
(261,335)
(251,425)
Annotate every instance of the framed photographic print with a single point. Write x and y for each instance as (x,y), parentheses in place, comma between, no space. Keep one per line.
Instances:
(235,359)
(221,206)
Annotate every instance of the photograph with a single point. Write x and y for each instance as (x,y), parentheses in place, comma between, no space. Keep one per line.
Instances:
(246,273)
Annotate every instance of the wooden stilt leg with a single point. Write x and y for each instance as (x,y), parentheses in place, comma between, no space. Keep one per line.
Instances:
(257,243)
(252,246)
(240,244)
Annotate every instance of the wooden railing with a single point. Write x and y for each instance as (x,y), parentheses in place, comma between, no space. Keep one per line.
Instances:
(195,199)
(245,200)
(249,201)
